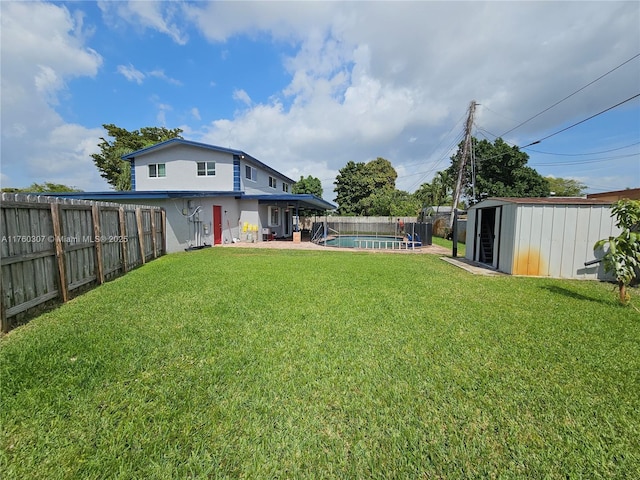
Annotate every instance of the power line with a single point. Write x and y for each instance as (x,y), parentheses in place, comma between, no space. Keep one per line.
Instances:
(580,154)
(482,131)
(584,162)
(457,140)
(571,95)
(582,121)
(449,147)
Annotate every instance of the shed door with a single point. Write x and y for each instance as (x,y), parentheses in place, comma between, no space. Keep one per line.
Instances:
(486,236)
(217,225)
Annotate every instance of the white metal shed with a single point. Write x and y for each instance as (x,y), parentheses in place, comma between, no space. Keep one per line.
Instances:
(549,237)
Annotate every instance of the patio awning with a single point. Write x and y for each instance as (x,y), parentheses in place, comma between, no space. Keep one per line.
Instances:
(301,200)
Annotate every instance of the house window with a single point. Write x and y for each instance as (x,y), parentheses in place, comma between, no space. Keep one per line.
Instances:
(250,173)
(273,182)
(274,217)
(157,170)
(285,187)
(206,169)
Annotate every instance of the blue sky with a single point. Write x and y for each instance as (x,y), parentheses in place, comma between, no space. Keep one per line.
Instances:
(307,86)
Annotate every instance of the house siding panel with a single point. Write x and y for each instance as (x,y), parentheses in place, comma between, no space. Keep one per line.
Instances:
(261,185)
(181,170)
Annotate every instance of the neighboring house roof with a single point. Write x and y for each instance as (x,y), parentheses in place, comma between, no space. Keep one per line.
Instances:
(629,193)
(438,209)
(180,141)
(307,201)
(541,201)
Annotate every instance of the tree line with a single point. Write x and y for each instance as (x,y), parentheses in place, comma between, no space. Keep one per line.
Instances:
(362,188)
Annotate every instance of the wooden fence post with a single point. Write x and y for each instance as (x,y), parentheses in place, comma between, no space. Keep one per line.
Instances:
(57,238)
(95,213)
(3,312)
(125,245)
(163,215)
(153,233)
(140,233)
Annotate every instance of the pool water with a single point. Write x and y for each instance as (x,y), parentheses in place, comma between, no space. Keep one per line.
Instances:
(364,241)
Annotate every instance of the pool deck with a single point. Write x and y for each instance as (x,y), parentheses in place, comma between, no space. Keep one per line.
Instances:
(306,245)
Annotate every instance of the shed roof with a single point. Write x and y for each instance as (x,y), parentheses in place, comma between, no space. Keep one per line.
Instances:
(540,201)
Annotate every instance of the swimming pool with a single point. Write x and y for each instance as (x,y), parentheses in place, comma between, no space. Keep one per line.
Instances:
(364,241)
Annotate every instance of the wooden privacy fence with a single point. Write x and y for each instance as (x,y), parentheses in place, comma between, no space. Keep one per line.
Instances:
(51,247)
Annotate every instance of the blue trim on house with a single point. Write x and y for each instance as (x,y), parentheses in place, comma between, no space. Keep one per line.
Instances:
(181,141)
(236,173)
(133,174)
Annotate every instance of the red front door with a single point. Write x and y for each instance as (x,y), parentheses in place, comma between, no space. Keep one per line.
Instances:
(217,225)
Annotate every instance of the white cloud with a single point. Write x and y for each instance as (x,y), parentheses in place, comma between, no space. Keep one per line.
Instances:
(159,16)
(162,76)
(161,116)
(391,78)
(366,79)
(131,73)
(282,20)
(48,83)
(242,96)
(42,48)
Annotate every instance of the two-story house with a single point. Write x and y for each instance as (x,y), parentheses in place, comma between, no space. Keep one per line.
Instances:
(212,195)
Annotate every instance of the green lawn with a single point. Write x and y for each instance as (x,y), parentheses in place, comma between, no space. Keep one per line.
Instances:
(242,363)
(449,244)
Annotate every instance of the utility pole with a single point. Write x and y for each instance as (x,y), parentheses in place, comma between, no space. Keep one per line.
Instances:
(466,153)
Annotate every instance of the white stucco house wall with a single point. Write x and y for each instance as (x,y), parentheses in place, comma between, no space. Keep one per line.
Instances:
(212,195)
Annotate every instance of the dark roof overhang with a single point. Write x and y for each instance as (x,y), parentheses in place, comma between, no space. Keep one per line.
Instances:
(307,201)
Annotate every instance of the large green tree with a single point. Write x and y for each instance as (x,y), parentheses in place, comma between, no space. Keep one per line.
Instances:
(390,203)
(566,187)
(112,168)
(46,187)
(438,192)
(309,184)
(382,175)
(352,186)
(357,185)
(501,171)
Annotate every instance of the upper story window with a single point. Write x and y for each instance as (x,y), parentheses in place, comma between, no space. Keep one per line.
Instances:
(206,169)
(273,183)
(157,170)
(250,173)
(285,187)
